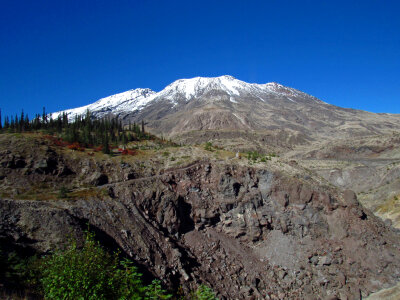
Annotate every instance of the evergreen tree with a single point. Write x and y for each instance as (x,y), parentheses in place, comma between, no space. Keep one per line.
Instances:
(6,122)
(16,123)
(21,121)
(87,130)
(59,124)
(12,123)
(44,116)
(64,120)
(124,139)
(106,145)
(26,122)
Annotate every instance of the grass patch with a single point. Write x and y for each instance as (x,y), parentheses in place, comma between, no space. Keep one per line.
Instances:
(93,192)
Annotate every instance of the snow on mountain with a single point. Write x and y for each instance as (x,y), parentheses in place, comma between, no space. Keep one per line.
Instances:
(194,87)
(182,89)
(127,101)
(190,88)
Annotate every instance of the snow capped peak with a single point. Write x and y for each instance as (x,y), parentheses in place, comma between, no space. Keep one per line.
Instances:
(183,90)
(122,102)
(192,87)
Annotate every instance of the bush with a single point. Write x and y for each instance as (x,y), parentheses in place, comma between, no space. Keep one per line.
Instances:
(208,146)
(63,192)
(203,292)
(253,156)
(93,273)
(87,273)
(76,146)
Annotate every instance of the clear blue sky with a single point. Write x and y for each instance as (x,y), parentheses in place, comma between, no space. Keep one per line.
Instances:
(67,53)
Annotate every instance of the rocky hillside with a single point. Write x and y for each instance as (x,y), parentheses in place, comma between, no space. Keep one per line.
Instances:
(226,110)
(370,166)
(250,229)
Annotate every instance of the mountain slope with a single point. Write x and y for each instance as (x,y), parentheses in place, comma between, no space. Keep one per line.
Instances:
(228,104)
(119,103)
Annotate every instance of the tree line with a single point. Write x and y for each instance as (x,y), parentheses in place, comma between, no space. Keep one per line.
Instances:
(85,129)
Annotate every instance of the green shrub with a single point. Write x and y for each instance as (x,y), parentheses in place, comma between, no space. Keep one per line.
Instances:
(208,146)
(203,292)
(254,156)
(17,268)
(93,273)
(154,291)
(63,192)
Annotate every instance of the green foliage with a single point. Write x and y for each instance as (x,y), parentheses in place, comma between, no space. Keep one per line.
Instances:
(86,273)
(166,154)
(84,130)
(93,273)
(10,265)
(105,146)
(63,192)
(154,291)
(208,146)
(15,267)
(203,292)
(255,156)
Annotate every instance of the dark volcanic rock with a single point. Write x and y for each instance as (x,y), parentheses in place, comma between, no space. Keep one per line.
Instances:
(246,232)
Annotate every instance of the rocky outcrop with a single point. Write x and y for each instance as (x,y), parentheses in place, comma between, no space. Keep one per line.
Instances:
(249,233)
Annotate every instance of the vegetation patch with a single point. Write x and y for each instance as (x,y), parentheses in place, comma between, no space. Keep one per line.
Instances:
(87,272)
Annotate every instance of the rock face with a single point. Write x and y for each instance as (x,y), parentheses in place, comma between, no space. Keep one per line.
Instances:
(370,166)
(248,232)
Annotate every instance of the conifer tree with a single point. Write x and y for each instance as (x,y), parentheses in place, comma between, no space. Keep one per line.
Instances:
(64,120)
(12,123)
(21,121)
(6,122)
(44,116)
(26,122)
(106,146)
(124,139)
(16,123)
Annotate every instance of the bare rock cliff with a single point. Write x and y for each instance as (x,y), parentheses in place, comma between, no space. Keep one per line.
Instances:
(248,232)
